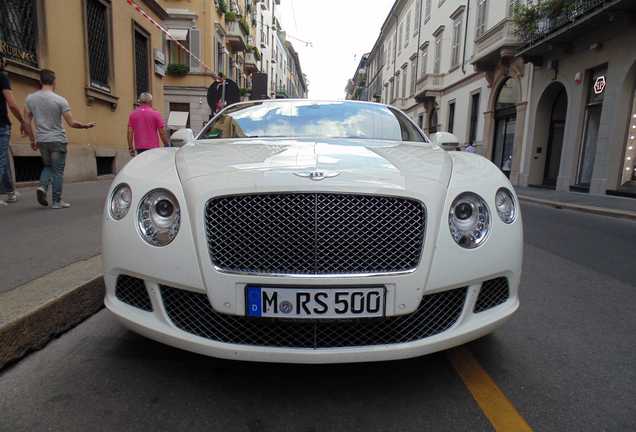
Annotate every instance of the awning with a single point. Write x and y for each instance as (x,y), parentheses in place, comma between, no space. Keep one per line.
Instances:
(178,34)
(177,120)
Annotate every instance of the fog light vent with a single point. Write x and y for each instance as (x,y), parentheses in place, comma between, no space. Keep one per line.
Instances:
(493,293)
(132,291)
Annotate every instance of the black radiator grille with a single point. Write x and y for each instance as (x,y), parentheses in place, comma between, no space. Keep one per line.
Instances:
(193,313)
(315,233)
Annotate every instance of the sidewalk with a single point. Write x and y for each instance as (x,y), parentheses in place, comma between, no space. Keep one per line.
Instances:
(602,205)
(36,312)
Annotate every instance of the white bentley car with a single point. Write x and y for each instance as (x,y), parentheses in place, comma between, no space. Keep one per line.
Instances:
(311,232)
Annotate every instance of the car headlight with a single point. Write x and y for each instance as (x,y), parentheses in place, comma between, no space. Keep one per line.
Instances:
(120,201)
(469,220)
(159,217)
(505,203)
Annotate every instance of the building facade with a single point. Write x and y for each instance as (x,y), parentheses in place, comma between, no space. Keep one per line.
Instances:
(546,92)
(582,129)
(450,66)
(103,54)
(235,40)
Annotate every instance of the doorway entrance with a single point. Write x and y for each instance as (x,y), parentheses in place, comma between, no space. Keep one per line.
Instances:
(593,110)
(505,123)
(555,139)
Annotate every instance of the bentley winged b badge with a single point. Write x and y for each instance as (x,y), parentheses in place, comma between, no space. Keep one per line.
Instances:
(317,175)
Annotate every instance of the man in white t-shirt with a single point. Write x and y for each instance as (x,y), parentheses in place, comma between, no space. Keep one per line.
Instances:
(47,110)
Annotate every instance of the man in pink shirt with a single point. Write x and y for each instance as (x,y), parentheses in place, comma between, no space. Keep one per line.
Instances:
(143,125)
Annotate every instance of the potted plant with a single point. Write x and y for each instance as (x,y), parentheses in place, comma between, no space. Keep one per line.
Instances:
(244,25)
(178,69)
(222,6)
(230,16)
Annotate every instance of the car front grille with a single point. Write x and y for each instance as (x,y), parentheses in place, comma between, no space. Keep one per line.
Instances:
(192,312)
(493,292)
(315,233)
(132,291)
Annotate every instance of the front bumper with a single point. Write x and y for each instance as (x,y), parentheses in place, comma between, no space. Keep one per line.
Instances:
(186,320)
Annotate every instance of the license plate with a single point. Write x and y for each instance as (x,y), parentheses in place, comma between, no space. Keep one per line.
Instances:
(315,303)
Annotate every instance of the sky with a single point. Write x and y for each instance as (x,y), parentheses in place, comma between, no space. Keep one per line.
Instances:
(330,37)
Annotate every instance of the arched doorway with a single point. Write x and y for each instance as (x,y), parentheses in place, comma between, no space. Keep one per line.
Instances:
(555,139)
(505,123)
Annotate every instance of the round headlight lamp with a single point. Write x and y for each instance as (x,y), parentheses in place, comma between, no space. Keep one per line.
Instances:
(120,201)
(469,220)
(505,203)
(159,217)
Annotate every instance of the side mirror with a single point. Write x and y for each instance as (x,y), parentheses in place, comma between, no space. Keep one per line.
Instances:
(181,137)
(445,140)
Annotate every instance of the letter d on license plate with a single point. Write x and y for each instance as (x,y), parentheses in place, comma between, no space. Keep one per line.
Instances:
(315,302)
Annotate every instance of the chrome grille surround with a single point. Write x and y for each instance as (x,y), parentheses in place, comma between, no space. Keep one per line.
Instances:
(192,312)
(132,291)
(493,292)
(315,234)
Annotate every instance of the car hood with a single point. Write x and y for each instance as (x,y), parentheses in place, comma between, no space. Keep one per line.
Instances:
(284,161)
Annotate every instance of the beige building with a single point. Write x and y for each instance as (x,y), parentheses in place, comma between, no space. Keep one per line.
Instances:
(234,39)
(217,33)
(104,54)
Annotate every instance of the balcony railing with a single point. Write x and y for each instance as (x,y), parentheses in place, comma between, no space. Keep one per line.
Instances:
(281,91)
(430,82)
(250,62)
(235,35)
(544,23)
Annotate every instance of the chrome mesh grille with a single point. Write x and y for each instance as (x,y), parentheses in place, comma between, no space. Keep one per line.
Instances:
(314,233)
(192,313)
(493,293)
(132,291)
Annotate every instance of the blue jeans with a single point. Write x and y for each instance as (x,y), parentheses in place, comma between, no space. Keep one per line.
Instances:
(5,170)
(54,158)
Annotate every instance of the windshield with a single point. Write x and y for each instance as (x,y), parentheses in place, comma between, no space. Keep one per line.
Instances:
(305,119)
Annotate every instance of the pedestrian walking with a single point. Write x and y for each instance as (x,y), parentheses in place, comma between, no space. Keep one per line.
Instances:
(47,109)
(143,125)
(6,100)
(470,148)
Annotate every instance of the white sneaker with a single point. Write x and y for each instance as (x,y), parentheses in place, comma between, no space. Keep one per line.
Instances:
(41,193)
(13,197)
(2,203)
(60,205)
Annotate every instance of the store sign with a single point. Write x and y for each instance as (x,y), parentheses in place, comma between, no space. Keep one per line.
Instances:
(17,55)
(599,85)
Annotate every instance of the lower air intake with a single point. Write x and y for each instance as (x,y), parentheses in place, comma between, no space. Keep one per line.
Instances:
(132,291)
(191,312)
(493,293)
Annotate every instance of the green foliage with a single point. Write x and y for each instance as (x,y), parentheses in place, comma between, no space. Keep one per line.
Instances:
(245,91)
(178,69)
(222,75)
(528,16)
(230,16)
(249,7)
(257,53)
(254,22)
(222,6)
(244,25)
(249,48)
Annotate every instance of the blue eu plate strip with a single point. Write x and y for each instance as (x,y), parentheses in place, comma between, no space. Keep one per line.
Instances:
(254,301)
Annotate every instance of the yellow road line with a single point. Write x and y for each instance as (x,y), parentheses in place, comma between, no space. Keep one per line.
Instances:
(503,416)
